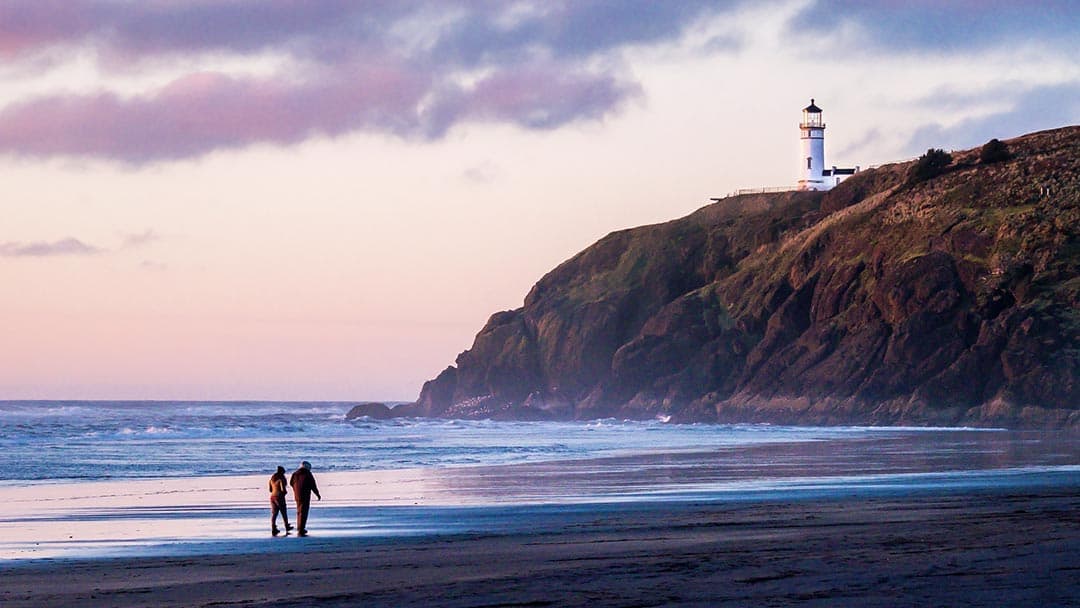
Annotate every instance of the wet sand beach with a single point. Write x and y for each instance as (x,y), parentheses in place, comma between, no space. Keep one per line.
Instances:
(1013,546)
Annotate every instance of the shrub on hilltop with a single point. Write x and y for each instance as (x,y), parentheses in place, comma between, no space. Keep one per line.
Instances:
(929,165)
(993,151)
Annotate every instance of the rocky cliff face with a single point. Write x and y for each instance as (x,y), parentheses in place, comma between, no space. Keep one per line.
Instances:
(951,301)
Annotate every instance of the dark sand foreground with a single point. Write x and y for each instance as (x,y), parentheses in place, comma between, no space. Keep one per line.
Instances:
(1004,548)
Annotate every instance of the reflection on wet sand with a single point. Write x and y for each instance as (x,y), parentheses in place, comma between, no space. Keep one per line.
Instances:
(895,458)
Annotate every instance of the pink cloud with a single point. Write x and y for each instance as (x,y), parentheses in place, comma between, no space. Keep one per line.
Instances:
(206,111)
(66,246)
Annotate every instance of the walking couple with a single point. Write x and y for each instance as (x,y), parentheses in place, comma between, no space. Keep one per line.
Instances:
(303,486)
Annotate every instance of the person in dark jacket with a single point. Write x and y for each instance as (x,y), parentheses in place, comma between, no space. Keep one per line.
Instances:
(303,486)
(277,501)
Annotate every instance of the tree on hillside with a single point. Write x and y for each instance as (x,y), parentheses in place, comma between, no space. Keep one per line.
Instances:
(929,165)
(993,151)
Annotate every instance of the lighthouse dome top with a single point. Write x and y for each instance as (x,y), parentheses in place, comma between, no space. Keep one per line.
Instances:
(812,107)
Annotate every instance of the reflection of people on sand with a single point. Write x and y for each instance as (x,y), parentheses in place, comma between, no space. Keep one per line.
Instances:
(303,486)
(277,501)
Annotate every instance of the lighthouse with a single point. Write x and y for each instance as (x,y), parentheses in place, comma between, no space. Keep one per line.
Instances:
(812,171)
(812,136)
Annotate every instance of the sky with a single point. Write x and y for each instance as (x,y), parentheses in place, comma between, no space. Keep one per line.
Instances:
(276,199)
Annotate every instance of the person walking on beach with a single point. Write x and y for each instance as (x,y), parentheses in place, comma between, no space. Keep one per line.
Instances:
(277,501)
(303,486)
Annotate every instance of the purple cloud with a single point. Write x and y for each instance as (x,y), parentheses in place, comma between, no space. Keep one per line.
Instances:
(29,26)
(516,98)
(206,111)
(158,28)
(67,246)
(915,25)
(389,66)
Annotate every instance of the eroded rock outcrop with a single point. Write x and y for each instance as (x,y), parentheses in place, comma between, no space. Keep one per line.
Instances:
(951,301)
(370,409)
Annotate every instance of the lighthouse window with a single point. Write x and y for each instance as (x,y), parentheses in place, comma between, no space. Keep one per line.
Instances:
(808,159)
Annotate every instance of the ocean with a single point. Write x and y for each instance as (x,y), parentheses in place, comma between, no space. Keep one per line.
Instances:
(132,478)
(61,441)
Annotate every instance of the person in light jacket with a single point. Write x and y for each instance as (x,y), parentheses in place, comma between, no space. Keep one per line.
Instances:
(303,486)
(277,501)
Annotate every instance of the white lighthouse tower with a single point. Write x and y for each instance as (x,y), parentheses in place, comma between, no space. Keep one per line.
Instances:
(812,134)
(812,171)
